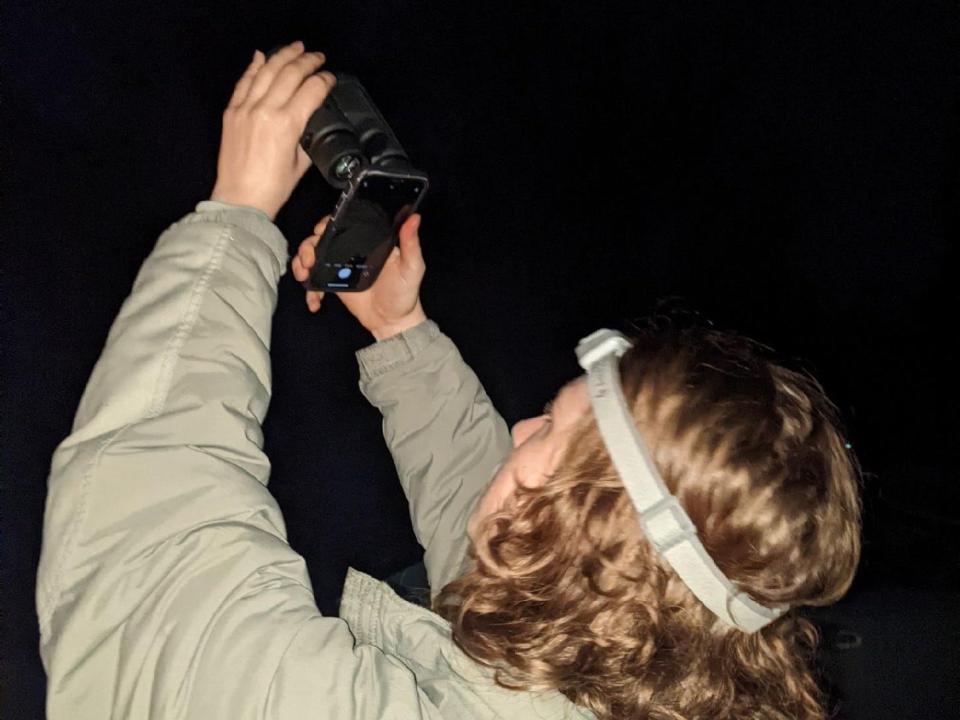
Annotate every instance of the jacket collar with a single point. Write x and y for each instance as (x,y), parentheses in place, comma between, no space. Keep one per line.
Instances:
(422,640)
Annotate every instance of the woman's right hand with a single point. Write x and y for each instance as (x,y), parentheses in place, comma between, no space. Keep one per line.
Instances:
(392,304)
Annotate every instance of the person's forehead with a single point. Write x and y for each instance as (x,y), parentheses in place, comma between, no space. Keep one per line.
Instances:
(567,398)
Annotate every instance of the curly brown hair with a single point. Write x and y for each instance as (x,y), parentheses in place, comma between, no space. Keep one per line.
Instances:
(565,593)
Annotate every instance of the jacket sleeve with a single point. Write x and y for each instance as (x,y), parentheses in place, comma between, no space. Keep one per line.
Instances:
(446,438)
(166,587)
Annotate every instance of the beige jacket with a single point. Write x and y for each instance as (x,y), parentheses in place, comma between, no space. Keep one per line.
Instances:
(166,586)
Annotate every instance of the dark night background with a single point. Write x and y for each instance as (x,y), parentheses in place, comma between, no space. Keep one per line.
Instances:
(790,170)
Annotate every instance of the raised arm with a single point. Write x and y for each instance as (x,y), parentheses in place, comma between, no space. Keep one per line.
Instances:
(445,436)
(159,532)
(166,587)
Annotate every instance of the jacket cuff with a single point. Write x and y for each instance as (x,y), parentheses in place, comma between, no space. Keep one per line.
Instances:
(361,606)
(383,356)
(249,218)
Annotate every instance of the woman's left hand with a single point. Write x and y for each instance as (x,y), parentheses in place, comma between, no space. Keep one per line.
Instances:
(261,160)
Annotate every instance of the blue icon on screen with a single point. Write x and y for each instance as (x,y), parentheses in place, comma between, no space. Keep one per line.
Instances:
(344,273)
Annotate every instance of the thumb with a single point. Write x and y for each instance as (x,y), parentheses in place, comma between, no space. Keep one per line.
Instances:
(410,253)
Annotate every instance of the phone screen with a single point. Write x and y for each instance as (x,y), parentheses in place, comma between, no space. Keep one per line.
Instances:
(357,243)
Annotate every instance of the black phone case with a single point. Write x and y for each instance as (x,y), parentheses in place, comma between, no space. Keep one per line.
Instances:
(332,243)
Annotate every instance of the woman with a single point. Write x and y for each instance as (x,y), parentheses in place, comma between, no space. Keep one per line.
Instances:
(167,589)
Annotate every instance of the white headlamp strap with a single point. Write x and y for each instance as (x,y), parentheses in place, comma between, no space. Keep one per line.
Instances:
(664,521)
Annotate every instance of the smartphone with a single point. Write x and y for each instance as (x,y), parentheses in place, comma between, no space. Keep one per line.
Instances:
(364,228)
